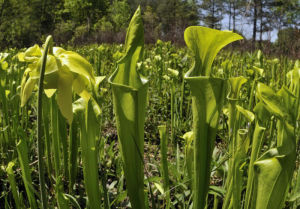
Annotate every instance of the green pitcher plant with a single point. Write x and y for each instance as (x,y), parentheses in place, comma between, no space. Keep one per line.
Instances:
(273,171)
(207,99)
(65,72)
(129,96)
(262,115)
(235,84)
(294,86)
(55,70)
(89,112)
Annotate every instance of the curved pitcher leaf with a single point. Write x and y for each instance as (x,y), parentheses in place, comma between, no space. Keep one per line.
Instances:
(262,114)
(240,155)
(207,98)
(88,112)
(271,101)
(282,104)
(235,84)
(189,155)
(129,97)
(205,43)
(27,86)
(126,73)
(246,113)
(259,71)
(273,171)
(65,71)
(294,79)
(288,100)
(294,85)
(64,94)
(257,142)
(74,62)
(164,162)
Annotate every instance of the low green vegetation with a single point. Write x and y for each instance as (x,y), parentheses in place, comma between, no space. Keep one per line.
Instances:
(149,126)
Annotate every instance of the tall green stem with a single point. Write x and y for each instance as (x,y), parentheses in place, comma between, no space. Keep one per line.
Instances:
(256,147)
(39,126)
(208,96)
(172,112)
(164,162)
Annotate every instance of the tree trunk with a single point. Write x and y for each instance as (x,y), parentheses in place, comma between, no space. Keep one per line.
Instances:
(233,16)
(254,25)
(261,24)
(213,14)
(229,15)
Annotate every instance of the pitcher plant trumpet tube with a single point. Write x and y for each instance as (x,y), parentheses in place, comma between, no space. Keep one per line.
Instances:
(208,94)
(129,96)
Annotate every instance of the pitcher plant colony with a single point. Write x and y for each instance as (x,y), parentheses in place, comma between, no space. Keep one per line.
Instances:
(149,126)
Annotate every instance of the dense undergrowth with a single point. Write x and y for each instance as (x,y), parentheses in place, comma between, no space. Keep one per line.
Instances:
(255,112)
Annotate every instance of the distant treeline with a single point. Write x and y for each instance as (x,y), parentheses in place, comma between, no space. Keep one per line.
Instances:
(75,22)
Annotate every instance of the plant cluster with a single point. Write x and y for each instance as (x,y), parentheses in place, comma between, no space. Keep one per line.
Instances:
(185,128)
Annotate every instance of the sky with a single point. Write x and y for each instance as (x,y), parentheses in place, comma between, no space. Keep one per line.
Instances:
(246,28)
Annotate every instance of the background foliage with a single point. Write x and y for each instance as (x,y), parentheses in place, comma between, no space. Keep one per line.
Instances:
(24,22)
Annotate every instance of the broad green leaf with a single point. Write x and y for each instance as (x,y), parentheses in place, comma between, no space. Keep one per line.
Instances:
(89,133)
(246,113)
(257,142)
(33,53)
(274,171)
(288,101)
(96,108)
(74,62)
(207,96)
(64,94)
(99,79)
(126,73)
(294,85)
(217,190)
(22,149)
(79,87)
(26,90)
(173,72)
(189,155)
(164,163)
(129,98)
(159,187)
(21,56)
(271,100)
(240,154)
(62,200)
(78,106)
(65,71)
(262,114)
(205,43)
(235,85)
(49,92)
(13,184)
(259,71)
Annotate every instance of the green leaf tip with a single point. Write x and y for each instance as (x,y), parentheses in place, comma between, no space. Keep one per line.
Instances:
(126,73)
(205,43)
